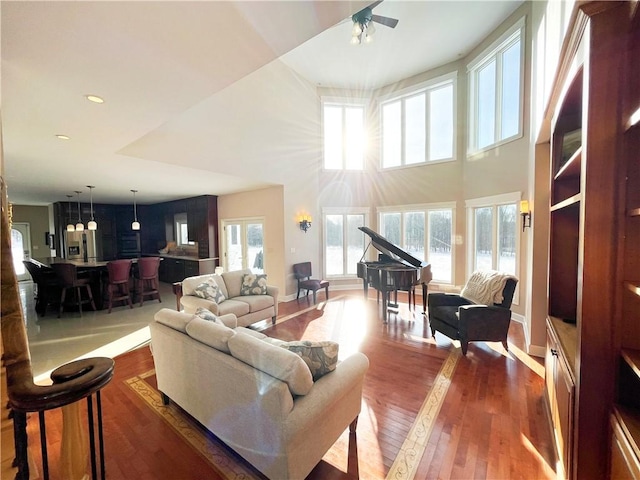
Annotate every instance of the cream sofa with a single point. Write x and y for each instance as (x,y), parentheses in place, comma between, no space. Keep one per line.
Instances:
(247,308)
(253,394)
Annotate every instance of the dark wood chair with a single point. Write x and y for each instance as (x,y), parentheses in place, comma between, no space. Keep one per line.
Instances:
(67,275)
(302,272)
(118,290)
(461,319)
(47,291)
(147,278)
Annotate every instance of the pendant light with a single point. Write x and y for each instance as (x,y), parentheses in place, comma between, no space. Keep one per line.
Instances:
(70,226)
(92,225)
(135,225)
(79,225)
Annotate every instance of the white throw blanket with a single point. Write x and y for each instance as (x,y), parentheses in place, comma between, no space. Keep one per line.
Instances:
(485,287)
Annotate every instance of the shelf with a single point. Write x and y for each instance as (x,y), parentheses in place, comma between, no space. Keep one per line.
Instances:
(568,202)
(632,357)
(634,120)
(633,287)
(571,169)
(629,419)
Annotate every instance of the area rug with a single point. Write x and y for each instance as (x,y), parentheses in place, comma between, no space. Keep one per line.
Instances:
(226,464)
(230,466)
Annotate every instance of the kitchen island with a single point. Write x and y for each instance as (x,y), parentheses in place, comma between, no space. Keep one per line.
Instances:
(175,268)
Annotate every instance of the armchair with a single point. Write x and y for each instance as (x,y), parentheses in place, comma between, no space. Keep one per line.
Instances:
(480,313)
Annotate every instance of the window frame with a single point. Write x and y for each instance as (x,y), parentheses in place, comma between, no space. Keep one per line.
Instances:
(425,208)
(494,52)
(344,211)
(343,103)
(402,96)
(180,220)
(494,202)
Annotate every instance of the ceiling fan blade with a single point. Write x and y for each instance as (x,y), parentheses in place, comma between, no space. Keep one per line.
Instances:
(375,4)
(386,21)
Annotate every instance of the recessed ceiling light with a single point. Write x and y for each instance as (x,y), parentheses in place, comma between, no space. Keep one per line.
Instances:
(94,98)
(63,137)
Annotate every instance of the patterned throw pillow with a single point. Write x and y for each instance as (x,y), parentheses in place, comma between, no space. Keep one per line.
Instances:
(320,357)
(205,314)
(209,291)
(254,284)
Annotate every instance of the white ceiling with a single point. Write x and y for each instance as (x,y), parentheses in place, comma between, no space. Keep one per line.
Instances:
(159,65)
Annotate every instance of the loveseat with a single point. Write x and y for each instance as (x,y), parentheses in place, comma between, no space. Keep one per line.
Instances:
(257,397)
(240,292)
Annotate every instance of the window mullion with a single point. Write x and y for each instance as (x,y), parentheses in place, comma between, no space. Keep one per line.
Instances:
(499,87)
(403,133)
(427,126)
(344,137)
(494,239)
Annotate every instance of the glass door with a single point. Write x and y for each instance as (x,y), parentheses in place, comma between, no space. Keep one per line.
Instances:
(20,248)
(243,245)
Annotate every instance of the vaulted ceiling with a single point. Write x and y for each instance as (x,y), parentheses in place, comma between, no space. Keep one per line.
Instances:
(160,67)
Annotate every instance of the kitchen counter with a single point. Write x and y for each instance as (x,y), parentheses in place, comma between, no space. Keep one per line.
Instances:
(179,257)
(176,268)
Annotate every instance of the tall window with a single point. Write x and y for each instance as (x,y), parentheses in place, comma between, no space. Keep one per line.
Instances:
(344,242)
(495,81)
(343,134)
(494,233)
(417,230)
(417,127)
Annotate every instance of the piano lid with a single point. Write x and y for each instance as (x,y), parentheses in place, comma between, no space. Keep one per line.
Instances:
(394,252)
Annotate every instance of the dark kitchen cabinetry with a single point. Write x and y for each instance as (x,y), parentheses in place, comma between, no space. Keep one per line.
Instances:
(171,270)
(157,225)
(177,269)
(202,219)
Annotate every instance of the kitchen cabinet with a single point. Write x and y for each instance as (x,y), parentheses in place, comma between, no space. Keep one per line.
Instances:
(175,269)
(202,224)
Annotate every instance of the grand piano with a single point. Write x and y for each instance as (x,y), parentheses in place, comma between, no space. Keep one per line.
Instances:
(394,270)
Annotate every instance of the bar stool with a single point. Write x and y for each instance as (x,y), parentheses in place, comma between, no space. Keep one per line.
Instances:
(67,275)
(118,286)
(147,278)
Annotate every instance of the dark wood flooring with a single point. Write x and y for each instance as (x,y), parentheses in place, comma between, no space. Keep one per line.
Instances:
(492,423)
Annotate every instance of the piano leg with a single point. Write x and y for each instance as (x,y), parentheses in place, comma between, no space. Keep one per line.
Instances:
(424,299)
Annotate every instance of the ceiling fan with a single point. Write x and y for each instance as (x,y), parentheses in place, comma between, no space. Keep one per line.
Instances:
(363,23)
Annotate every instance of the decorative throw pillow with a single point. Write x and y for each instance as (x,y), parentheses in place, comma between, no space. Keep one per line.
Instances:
(208,315)
(254,284)
(209,291)
(320,357)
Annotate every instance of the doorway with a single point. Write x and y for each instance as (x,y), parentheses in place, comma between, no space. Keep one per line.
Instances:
(243,245)
(20,248)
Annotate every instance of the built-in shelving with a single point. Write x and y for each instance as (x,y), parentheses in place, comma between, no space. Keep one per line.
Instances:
(625,420)
(567,202)
(571,169)
(588,308)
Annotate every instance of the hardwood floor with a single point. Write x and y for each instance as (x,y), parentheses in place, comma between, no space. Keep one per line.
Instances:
(492,423)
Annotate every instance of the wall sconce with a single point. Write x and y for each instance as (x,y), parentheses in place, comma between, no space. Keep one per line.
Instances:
(305,222)
(525,212)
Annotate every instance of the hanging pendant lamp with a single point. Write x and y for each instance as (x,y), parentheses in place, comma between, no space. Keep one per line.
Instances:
(70,226)
(135,225)
(79,225)
(92,225)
